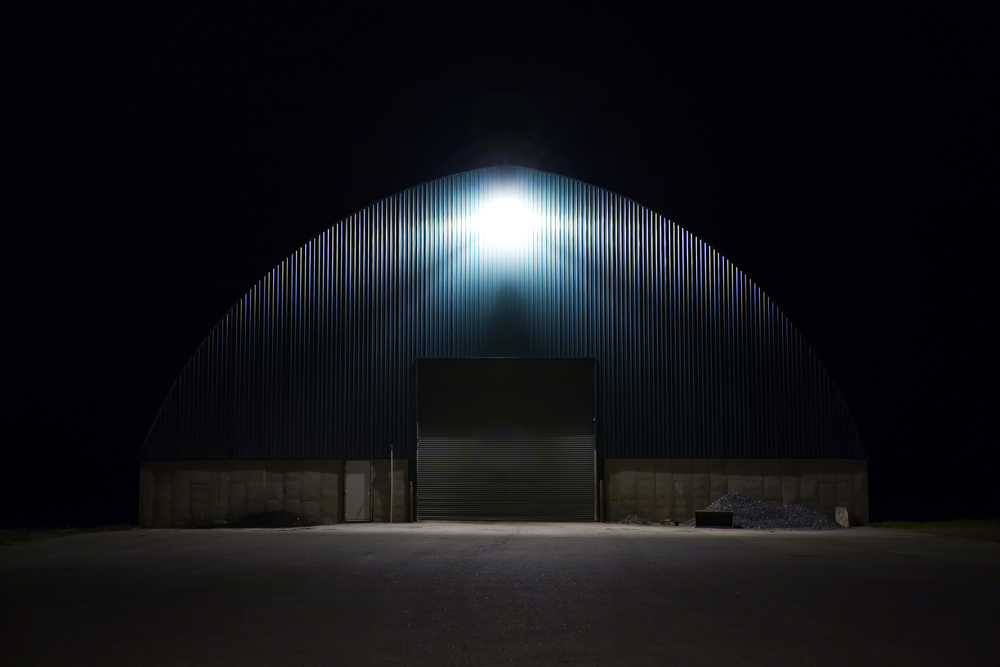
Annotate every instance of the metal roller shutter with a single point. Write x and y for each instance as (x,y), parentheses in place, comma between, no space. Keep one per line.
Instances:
(506,439)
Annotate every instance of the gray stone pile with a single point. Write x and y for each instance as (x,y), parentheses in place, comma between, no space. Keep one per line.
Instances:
(752,513)
(636,520)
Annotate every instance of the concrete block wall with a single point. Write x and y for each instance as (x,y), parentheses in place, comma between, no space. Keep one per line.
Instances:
(181,494)
(665,489)
(381,493)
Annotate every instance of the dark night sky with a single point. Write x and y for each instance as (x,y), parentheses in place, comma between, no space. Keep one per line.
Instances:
(158,164)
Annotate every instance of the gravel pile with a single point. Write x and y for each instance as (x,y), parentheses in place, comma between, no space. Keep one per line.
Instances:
(751,513)
(636,520)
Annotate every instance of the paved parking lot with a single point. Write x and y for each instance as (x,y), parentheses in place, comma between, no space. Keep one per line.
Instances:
(499,594)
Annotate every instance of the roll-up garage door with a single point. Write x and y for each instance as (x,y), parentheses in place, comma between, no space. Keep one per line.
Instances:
(506,439)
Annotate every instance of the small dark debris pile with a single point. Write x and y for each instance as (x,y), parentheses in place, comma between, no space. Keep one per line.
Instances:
(636,520)
(752,513)
(270,520)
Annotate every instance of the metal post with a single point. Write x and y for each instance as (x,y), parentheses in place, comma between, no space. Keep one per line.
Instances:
(413,510)
(600,500)
(390,484)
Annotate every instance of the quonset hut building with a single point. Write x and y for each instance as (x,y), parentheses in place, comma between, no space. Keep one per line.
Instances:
(500,344)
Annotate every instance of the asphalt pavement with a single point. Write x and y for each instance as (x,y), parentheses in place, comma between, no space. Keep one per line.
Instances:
(499,594)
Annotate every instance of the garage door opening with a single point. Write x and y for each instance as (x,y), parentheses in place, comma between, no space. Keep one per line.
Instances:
(506,439)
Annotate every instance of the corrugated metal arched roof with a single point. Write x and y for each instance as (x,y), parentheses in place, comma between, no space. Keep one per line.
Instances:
(316,360)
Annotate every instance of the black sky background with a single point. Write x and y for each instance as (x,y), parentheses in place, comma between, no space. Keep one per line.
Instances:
(159,161)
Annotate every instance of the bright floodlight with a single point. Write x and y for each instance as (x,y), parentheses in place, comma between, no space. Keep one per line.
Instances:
(506,222)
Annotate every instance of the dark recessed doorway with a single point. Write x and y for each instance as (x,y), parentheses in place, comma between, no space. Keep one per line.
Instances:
(506,438)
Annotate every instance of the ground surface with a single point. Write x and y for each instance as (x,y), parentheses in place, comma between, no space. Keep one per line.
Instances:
(977,529)
(499,594)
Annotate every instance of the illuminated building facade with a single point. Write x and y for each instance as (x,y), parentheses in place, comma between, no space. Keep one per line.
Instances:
(523,346)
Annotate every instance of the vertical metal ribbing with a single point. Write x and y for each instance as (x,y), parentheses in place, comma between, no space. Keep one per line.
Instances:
(316,360)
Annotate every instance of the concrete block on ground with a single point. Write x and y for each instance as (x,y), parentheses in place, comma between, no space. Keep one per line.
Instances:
(772,488)
(791,487)
(845,493)
(293,505)
(841,516)
(713,518)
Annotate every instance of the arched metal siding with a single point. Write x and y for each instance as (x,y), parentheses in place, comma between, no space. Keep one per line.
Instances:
(316,360)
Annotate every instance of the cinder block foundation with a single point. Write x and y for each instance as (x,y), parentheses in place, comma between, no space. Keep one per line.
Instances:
(182,494)
(673,489)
